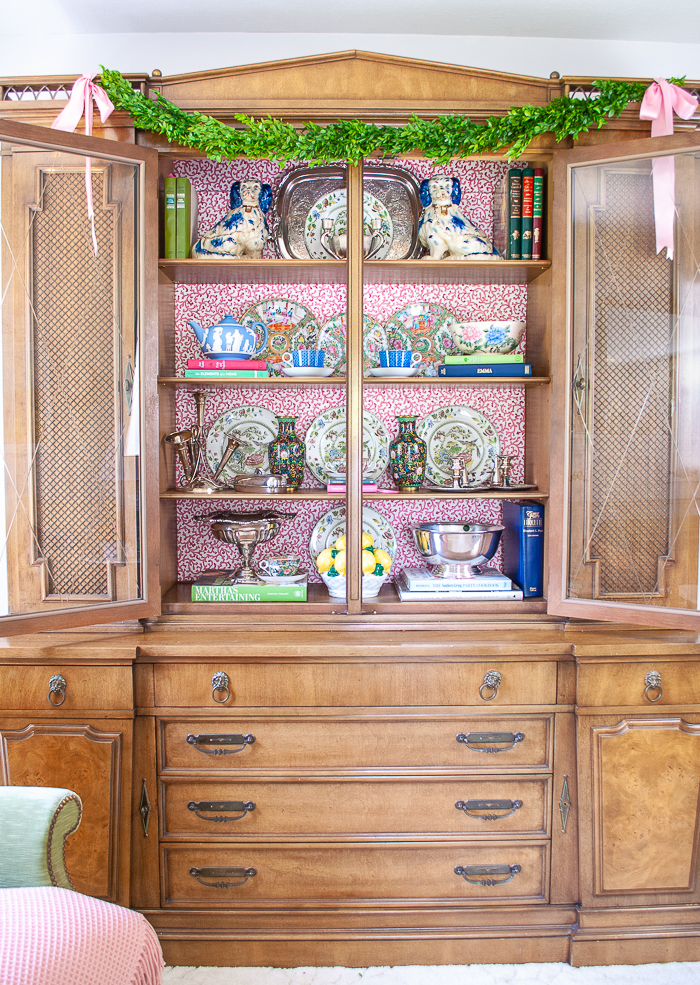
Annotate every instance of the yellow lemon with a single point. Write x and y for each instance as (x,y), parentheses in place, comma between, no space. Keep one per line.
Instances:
(368,562)
(383,558)
(367,540)
(340,544)
(324,560)
(340,562)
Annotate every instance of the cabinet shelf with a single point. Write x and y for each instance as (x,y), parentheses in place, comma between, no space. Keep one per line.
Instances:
(277,381)
(315,494)
(453,271)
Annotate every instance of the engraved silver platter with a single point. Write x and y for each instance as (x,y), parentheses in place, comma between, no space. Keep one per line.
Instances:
(301,189)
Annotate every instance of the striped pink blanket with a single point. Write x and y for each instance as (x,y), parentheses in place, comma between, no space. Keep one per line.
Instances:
(52,936)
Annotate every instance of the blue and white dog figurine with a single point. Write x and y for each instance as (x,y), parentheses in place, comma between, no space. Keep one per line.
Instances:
(243,231)
(444,229)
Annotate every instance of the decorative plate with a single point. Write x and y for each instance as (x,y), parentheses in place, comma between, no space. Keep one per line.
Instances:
(325,446)
(332,525)
(333,205)
(289,324)
(447,430)
(425,328)
(333,339)
(374,338)
(257,426)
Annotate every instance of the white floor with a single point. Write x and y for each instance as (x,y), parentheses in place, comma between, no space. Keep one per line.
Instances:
(686,973)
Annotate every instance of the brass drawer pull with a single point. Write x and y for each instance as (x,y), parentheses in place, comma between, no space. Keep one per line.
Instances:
(489,805)
(492,682)
(221,805)
(240,741)
(229,872)
(487,870)
(482,738)
(219,684)
(652,680)
(57,686)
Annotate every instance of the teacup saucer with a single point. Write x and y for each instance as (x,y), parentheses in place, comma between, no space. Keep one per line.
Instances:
(307,370)
(398,372)
(283,579)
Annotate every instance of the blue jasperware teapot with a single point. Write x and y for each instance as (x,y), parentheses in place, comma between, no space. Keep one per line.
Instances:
(228,339)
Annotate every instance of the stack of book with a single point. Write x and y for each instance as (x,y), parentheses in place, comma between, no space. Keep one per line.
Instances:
(180,230)
(215,586)
(518,206)
(420,585)
(202,369)
(482,364)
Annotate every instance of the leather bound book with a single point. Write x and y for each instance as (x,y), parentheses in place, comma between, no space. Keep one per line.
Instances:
(526,229)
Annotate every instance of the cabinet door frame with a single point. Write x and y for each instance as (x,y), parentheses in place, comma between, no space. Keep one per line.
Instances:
(559,508)
(146,160)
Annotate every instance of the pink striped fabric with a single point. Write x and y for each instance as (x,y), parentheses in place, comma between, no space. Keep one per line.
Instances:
(51,936)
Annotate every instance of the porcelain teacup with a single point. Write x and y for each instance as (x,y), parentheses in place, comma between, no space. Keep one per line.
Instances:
(399,358)
(277,567)
(304,357)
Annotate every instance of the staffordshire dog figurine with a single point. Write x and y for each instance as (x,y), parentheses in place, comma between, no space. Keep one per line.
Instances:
(243,231)
(444,229)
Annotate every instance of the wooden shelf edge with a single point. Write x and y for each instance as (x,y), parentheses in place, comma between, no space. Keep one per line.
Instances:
(321,494)
(275,381)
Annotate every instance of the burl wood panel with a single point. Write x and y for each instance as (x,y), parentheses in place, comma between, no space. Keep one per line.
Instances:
(357,808)
(623,683)
(27,687)
(87,761)
(368,743)
(302,684)
(646,783)
(349,873)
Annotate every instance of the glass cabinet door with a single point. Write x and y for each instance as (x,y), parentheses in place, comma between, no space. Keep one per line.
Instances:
(631,369)
(76,379)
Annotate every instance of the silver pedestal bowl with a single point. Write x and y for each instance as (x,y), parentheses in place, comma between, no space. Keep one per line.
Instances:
(246,531)
(457,549)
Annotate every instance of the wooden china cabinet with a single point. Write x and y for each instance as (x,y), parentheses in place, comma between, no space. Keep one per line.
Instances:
(350,793)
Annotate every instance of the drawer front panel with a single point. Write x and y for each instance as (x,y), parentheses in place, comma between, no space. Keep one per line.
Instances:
(345,873)
(601,685)
(94,688)
(368,743)
(349,684)
(489,808)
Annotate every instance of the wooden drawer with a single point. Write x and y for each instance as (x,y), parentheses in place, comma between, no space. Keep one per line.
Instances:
(328,744)
(606,683)
(317,684)
(96,688)
(356,807)
(352,873)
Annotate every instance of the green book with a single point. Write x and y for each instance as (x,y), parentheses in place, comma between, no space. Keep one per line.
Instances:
(515,201)
(213,587)
(485,357)
(183,202)
(229,374)
(537,213)
(169,226)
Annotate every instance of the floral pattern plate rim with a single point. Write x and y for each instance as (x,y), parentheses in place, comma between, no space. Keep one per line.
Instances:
(326,446)
(333,339)
(446,430)
(333,205)
(424,327)
(289,326)
(258,425)
(332,525)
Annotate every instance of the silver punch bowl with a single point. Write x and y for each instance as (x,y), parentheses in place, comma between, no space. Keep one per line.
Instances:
(457,548)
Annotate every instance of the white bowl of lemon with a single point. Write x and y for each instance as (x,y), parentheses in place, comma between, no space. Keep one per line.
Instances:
(376,565)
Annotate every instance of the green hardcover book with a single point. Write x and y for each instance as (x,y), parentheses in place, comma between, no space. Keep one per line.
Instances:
(526,228)
(184,218)
(228,374)
(214,587)
(537,212)
(170,224)
(515,198)
(485,357)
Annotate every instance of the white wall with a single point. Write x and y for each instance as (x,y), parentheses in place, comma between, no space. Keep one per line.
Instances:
(46,54)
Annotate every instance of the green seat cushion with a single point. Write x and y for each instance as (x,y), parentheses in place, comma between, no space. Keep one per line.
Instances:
(34,824)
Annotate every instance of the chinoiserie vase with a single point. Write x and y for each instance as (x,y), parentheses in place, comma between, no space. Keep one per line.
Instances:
(407,455)
(287,454)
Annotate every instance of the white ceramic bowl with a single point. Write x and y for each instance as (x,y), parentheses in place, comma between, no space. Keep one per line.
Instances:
(487,336)
(370,585)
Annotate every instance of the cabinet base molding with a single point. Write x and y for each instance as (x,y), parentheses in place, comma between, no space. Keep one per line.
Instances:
(636,935)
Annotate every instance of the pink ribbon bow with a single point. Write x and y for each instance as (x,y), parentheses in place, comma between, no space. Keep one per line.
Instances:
(82,94)
(660,101)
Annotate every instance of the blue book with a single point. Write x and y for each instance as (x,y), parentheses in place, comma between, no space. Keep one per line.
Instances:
(486,369)
(523,545)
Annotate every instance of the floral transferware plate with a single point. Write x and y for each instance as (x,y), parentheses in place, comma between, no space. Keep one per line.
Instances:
(289,326)
(425,328)
(256,427)
(448,432)
(332,525)
(333,206)
(333,339)
(326,446)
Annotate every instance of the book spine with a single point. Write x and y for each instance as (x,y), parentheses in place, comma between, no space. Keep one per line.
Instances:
(248,593)
(245,364)
(537,213)
(169,225)
(514,595)
(523,546)
(414,585)
(526,229)
(340,487)
(227,374)
(515,192)
(479,370)
(485,357)
(183,204)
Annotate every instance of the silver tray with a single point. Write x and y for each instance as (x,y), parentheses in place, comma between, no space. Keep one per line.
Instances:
(301,189)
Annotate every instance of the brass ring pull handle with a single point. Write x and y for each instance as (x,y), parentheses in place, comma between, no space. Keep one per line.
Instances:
(57,686)
(492,682)
(652,682)
(220,683)
(240,741)
(487,870)
(489,805)
(475,740)
(229,872)
(221,805)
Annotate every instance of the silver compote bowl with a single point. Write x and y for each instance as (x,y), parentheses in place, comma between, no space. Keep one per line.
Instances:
(246,531)
(457,549)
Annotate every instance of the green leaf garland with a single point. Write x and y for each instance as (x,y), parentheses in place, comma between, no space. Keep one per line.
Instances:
(439,140)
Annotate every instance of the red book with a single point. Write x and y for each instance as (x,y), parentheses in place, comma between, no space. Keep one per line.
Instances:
(226,364)
(526,232)
(537,212)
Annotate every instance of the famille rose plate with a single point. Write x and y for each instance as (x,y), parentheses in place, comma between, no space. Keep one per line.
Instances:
(425,328)
(256,427)
(333,524)
(289,326)
(326,446)
(448,431)
(333,340)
